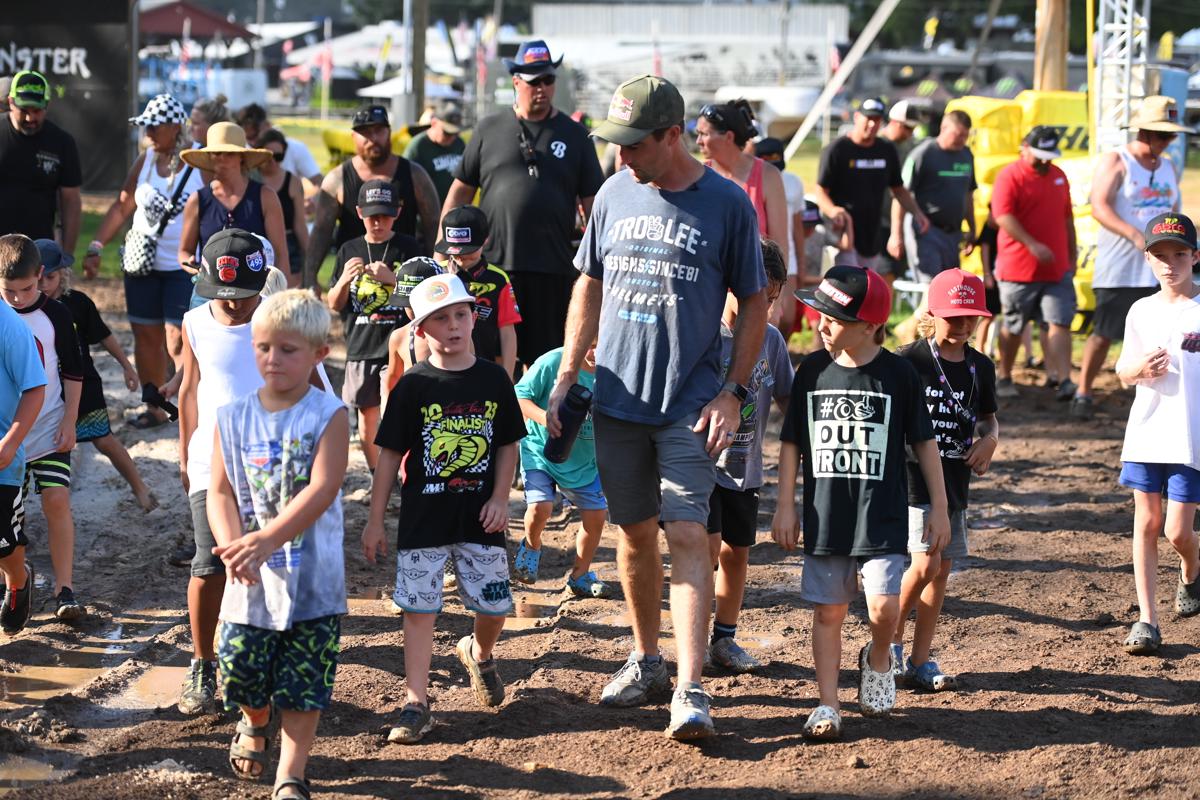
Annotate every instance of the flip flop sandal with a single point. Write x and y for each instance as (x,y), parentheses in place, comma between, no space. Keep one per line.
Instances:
(1187,598)
(292,789)
(1144,639)
(239,752)
(823,725)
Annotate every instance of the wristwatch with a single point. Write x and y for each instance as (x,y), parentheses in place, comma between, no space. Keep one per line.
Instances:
(737,390)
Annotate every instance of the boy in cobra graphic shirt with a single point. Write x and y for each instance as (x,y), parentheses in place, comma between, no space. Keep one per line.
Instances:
(854,407)
(455,422)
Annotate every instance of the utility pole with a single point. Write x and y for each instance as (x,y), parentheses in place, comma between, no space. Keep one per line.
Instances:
(258,53)
(1050,51)
(420,24)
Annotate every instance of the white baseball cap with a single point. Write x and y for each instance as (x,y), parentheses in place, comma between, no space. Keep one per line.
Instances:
(435,293)
(905,113)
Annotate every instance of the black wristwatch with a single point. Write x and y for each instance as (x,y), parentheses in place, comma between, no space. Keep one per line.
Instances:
(737,390)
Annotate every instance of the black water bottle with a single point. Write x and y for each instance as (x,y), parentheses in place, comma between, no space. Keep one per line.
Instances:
(571,414)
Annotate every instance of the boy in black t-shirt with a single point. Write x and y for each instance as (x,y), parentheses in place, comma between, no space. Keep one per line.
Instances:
(464,233)
(455,422)
(849,420)
(363,278)
(960,393)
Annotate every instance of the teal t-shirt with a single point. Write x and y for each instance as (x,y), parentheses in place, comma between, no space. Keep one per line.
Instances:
(579,469)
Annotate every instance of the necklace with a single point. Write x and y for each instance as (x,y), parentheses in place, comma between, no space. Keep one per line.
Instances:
(382,256)
(964,414)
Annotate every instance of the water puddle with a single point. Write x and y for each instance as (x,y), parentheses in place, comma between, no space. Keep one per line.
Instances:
(528,614)
(19,772)
(754,640)
(157,687)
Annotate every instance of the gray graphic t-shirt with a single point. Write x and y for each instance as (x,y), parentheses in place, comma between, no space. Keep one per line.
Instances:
(667,260)
(740,466)
(268,460)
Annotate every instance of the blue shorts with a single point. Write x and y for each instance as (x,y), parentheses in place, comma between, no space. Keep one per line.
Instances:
(162,296)
(539,488)
(1181,482)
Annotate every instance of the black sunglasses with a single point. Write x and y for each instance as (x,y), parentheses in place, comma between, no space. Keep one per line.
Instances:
(544,80)
(714,115)
(277,156)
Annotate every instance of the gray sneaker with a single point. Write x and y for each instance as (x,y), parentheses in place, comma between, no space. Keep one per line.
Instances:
(1006,389)
(1066,391)
(689,713)
(485,680)
(413,723)
(635,682)
(1083,407)
(727,653)
(199,695)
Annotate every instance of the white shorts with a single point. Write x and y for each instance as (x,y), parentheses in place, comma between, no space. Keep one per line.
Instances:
(482,572)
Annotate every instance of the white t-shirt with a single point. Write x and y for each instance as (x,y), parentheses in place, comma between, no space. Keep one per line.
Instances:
(153,196)
(298,160)
(1162,427)
(793,190)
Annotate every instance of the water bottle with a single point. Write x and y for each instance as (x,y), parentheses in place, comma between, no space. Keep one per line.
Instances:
(571,414)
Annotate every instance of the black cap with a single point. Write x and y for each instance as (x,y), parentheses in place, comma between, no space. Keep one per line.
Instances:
(378,197)
(1171,227)
(232,266)
(1043,141)
(770,149)
(464,230)
(850,294)
(370,115)
(872,107)
(811,213)
(411,273)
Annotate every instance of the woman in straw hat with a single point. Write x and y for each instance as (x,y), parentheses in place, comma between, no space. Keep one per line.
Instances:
(231,199)
(156,301)
(1131,185)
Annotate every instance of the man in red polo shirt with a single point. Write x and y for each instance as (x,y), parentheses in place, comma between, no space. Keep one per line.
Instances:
(1035,257)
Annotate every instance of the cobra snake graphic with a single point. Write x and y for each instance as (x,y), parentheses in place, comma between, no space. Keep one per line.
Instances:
(453,451)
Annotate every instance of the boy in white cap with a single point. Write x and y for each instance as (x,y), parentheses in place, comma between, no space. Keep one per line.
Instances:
(455,422)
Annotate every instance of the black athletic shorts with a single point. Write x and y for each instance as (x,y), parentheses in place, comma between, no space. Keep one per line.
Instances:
(12,520)
(543,299)
(1112,307)
(734,515)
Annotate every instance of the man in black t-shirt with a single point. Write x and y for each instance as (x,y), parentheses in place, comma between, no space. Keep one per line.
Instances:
(39,167)
(536,167)
(854,172)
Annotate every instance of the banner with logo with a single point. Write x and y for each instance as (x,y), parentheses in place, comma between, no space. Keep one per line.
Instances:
(83,49)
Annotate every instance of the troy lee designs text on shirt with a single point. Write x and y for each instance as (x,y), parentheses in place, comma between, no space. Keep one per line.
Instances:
(848,433)
(648,262)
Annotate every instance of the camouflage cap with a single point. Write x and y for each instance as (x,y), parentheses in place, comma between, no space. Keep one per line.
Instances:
(639,107)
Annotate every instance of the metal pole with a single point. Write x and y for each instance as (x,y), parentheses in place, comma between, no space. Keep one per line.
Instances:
(864,41)
(420,9)
(327,70)
(257,45)
(993,10)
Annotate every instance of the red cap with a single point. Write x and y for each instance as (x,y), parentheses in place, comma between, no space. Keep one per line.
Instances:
(957,293)
(850,294)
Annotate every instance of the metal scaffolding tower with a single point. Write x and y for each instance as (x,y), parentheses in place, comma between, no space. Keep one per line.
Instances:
(1123,33)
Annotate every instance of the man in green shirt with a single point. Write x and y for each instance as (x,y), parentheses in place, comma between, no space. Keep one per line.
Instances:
(440,148)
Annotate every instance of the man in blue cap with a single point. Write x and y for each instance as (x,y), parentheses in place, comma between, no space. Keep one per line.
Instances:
(536,166)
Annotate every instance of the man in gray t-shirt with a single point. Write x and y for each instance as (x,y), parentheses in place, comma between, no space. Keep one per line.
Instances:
(940,173)
(668,239)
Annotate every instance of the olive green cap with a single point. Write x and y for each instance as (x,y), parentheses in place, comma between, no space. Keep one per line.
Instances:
(639,107)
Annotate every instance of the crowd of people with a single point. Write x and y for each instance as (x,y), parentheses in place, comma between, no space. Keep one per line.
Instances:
(607,340)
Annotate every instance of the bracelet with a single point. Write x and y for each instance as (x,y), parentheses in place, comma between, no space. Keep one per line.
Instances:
(94,247)
(993,437)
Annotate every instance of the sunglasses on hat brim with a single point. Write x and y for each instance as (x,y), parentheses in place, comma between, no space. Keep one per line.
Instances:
(541,80)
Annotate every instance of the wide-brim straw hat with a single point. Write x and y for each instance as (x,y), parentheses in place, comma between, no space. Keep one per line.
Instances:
(1158,113)
(226,137)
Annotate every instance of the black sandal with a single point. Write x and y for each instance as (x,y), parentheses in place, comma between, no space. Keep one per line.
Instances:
(292,789)
(239,752)
(145,421)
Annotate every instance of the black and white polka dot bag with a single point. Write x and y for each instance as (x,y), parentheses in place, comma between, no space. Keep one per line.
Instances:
(141,249)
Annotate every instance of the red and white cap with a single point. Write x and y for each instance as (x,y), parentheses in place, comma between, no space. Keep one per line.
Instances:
(851,294)
(957,293)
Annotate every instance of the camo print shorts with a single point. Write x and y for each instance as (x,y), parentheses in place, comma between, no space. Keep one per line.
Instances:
(482,572)
(293,669)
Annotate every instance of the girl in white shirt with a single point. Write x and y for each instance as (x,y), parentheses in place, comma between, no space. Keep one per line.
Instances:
(1161,356)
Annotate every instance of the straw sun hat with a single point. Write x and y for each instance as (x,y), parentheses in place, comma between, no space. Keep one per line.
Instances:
(1158,113)
(226,137)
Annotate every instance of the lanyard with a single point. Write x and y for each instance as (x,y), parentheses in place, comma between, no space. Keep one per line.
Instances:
(965,415)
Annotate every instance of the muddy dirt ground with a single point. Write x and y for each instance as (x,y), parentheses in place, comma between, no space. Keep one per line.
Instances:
(1050,706)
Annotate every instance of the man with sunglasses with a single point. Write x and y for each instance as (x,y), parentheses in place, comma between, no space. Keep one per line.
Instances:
(1132,185)
(39,167)
(536,167)
(1035,257)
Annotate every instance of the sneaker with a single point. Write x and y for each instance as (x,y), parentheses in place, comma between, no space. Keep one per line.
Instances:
(485,680)
(897,660)
(413,723)
(929,676)
(1187,598)
(199,695)
(588,585)
(67,608)
(1082,407)
(729,654)
(525,565)
(182,555)
(1066,391)
(1005,388)
(18,605)
(449,579)
(635,682)
(689,713)
(876,690)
